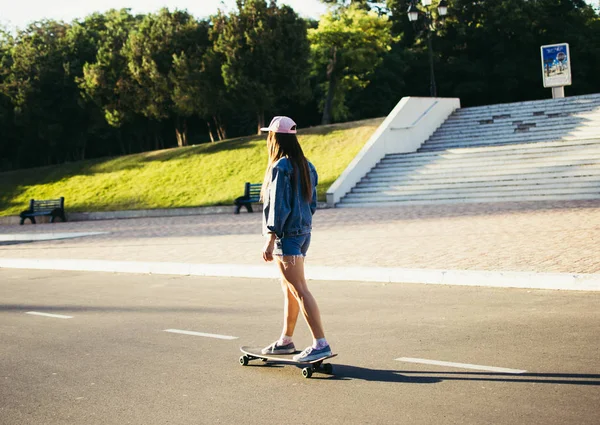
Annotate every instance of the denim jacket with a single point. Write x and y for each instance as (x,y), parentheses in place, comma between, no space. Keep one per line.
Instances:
(285,211)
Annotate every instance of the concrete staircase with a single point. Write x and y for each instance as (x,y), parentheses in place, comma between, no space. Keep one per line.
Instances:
(527,151)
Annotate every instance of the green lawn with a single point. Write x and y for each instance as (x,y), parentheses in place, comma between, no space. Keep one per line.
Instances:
(209,174)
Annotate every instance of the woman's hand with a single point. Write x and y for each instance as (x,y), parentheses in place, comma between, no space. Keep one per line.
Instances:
(268,248)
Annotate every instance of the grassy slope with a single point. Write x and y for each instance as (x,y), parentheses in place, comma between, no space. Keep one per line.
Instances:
(210,174)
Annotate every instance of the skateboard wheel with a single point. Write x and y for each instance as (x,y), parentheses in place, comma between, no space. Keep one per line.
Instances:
(307,372)
(244,360)
(328,369)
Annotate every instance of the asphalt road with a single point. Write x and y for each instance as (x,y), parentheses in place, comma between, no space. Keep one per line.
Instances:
(112,362)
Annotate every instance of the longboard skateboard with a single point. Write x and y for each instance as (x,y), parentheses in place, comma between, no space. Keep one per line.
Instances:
(254,353)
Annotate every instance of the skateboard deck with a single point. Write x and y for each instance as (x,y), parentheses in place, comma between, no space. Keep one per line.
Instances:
(254,353)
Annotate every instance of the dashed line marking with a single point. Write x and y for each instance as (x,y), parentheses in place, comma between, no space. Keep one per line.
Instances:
(206,335)
(56,316)
(461,365)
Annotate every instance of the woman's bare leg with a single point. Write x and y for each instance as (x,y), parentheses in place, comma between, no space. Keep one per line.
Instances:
(292,270)
(291,309)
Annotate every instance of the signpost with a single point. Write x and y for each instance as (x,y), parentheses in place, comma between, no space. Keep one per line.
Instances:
(556,68)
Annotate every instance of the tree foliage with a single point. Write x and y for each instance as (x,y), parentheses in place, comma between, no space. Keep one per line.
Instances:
(265,50)
(114,83)
(162,55)
(347,48)
(104,79)
(40,85)
(488,51)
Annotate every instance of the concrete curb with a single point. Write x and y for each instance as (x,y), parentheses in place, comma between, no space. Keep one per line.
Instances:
(31,237)
(13,219)
(161,212)
(497,279)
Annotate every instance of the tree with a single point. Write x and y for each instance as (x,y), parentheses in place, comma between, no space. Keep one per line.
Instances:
(7,128)
(362,4)
(347,47)
(44,94)
(265,50)
(198,89)
(489,51)
(105,80)
(386,86)
(163,56)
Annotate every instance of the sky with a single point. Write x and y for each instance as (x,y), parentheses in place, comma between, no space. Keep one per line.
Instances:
(19,13)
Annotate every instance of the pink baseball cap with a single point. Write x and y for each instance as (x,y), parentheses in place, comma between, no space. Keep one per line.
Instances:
(281,125)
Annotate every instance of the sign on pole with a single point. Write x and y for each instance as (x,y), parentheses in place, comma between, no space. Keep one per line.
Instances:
(556,65)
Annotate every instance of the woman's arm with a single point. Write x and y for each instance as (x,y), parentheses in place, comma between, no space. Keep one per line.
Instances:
(315,179)
(279,207)
(269,247)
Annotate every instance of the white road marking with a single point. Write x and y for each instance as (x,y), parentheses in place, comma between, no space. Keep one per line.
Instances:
(57,316)
(179,331)
(461,365)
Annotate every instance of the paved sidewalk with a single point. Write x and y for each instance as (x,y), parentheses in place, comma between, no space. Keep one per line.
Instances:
(552,237)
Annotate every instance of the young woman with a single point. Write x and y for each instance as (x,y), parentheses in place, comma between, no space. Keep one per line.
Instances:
(289,197)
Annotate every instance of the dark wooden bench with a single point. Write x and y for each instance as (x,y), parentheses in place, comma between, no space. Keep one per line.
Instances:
(251,196)
(49,207)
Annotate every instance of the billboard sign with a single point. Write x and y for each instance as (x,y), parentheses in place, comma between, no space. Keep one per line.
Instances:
(556,65)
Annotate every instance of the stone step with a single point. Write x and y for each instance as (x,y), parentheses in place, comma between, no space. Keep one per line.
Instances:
(515,198)
(531,140)
(517,139)
(520,125)
(491,159)
(537,113)
(510,155)
(589,101)
(568,99)
(510,125)
(506,149)
(508,163)
(483,170)
(551,133)
(580,118)
(442,166)
(588,167)
(582,98)
(408,179)
(515,133)
(514,185)
(437,195)
(515,180)
(495,121)
(449,146)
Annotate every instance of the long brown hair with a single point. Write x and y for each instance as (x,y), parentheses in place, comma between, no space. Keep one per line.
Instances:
(281,145)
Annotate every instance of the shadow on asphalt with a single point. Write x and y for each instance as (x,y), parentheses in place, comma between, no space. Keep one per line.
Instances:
(531,378)
(346,372)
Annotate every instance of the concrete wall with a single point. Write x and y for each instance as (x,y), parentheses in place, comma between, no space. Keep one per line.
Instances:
(404,130)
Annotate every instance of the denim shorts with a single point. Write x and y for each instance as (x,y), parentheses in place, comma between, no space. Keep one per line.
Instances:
(292,245)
